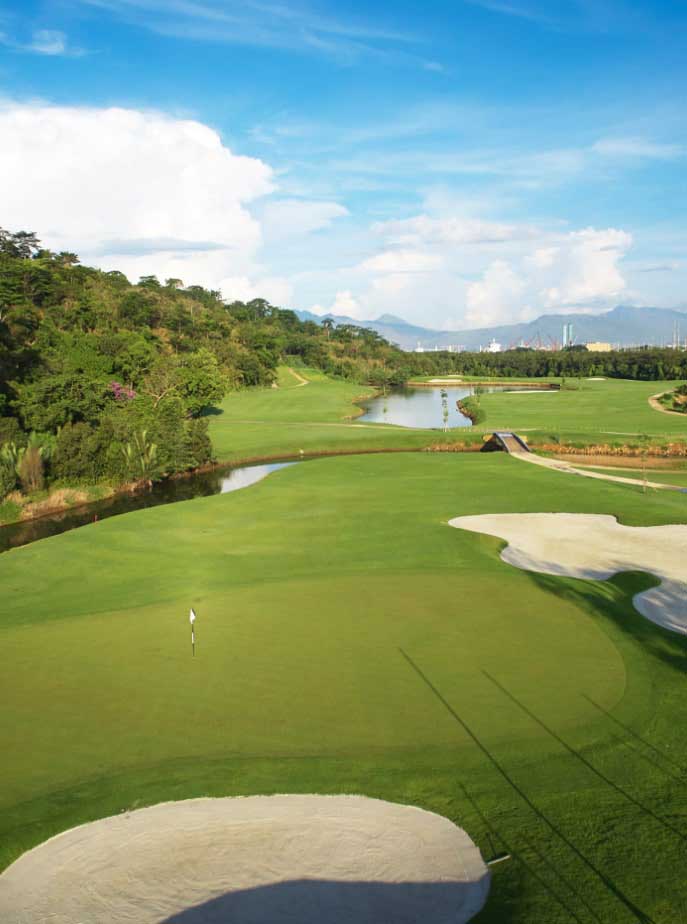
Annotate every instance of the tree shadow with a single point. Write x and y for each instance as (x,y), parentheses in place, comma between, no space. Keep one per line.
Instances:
(320,901)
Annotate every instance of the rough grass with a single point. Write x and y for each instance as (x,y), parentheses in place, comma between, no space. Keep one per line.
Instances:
(309,588)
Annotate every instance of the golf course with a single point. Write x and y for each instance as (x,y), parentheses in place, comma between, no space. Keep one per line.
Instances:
(350,641)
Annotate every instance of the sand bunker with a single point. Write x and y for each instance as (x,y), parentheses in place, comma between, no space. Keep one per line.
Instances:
(256,860)
(591,546)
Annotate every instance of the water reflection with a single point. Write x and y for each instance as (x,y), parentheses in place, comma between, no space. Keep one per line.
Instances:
(418,408)
(427,408)
(203,484)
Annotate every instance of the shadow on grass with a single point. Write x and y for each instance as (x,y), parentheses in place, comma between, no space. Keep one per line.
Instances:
(645,809)
(647,744)
(319,901)
(493,832)
(614,889)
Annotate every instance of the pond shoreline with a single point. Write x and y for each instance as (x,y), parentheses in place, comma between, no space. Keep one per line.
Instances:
(138,489)
(442,383)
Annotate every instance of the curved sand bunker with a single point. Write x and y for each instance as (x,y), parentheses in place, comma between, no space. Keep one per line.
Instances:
(594,546)
(255,860)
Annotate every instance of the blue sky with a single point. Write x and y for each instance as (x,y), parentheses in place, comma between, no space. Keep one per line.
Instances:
(457,163)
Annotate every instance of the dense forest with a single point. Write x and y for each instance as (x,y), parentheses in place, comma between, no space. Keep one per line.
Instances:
(101,379)
(648,364)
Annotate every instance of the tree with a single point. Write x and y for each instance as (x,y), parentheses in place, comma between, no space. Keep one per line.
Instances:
(21,244)
(200,381)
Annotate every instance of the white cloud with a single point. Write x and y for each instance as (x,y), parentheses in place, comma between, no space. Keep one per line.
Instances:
(496,297)
(292,26)
(402,261)
(581,270)
(452,271)
(274,289)
(344,303)
(285,218)
(137,191)
(423,229)
(639,148)
(44,42)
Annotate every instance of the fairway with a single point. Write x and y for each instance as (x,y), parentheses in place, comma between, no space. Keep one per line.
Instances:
(611,407)
(320,417)
(349,641)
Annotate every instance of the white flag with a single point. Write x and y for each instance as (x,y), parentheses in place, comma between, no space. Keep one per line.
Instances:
(192,616)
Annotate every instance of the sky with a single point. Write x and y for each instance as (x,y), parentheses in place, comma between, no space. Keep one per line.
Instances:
(459,163)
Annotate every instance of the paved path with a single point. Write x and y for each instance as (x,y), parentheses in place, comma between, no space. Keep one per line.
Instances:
(569,469)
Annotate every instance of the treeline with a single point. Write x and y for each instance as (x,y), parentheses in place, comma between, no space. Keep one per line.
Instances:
(104,379)
(648,364)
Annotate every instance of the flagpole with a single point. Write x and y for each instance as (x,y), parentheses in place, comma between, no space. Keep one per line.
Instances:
(192,620)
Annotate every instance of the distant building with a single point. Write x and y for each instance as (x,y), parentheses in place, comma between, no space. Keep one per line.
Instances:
(419,348)
(494,347)
(598,346)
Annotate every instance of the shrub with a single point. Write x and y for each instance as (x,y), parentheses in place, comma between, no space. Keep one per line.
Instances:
(11,432)
(471,408)
(199,443)
(79,453)
(30,470)
(8,479)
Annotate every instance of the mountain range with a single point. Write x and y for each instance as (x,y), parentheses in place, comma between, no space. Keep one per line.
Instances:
(622,326)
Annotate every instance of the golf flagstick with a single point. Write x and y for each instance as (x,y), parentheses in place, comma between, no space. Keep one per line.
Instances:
(192,620)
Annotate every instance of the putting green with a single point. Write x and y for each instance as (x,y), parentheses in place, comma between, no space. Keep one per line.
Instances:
(338,617)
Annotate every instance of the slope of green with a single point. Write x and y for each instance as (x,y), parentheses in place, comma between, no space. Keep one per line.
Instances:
(311,589)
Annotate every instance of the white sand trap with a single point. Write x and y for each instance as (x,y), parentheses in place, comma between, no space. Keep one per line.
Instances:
(256,860)
(590,546)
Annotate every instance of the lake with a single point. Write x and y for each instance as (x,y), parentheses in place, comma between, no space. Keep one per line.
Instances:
(432,408)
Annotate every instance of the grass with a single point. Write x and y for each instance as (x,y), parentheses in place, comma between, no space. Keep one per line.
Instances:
(320,417)
(309,587)
(596,410)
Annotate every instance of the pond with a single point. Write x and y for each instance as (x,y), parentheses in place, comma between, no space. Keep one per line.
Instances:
(426,408)
(200,484)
